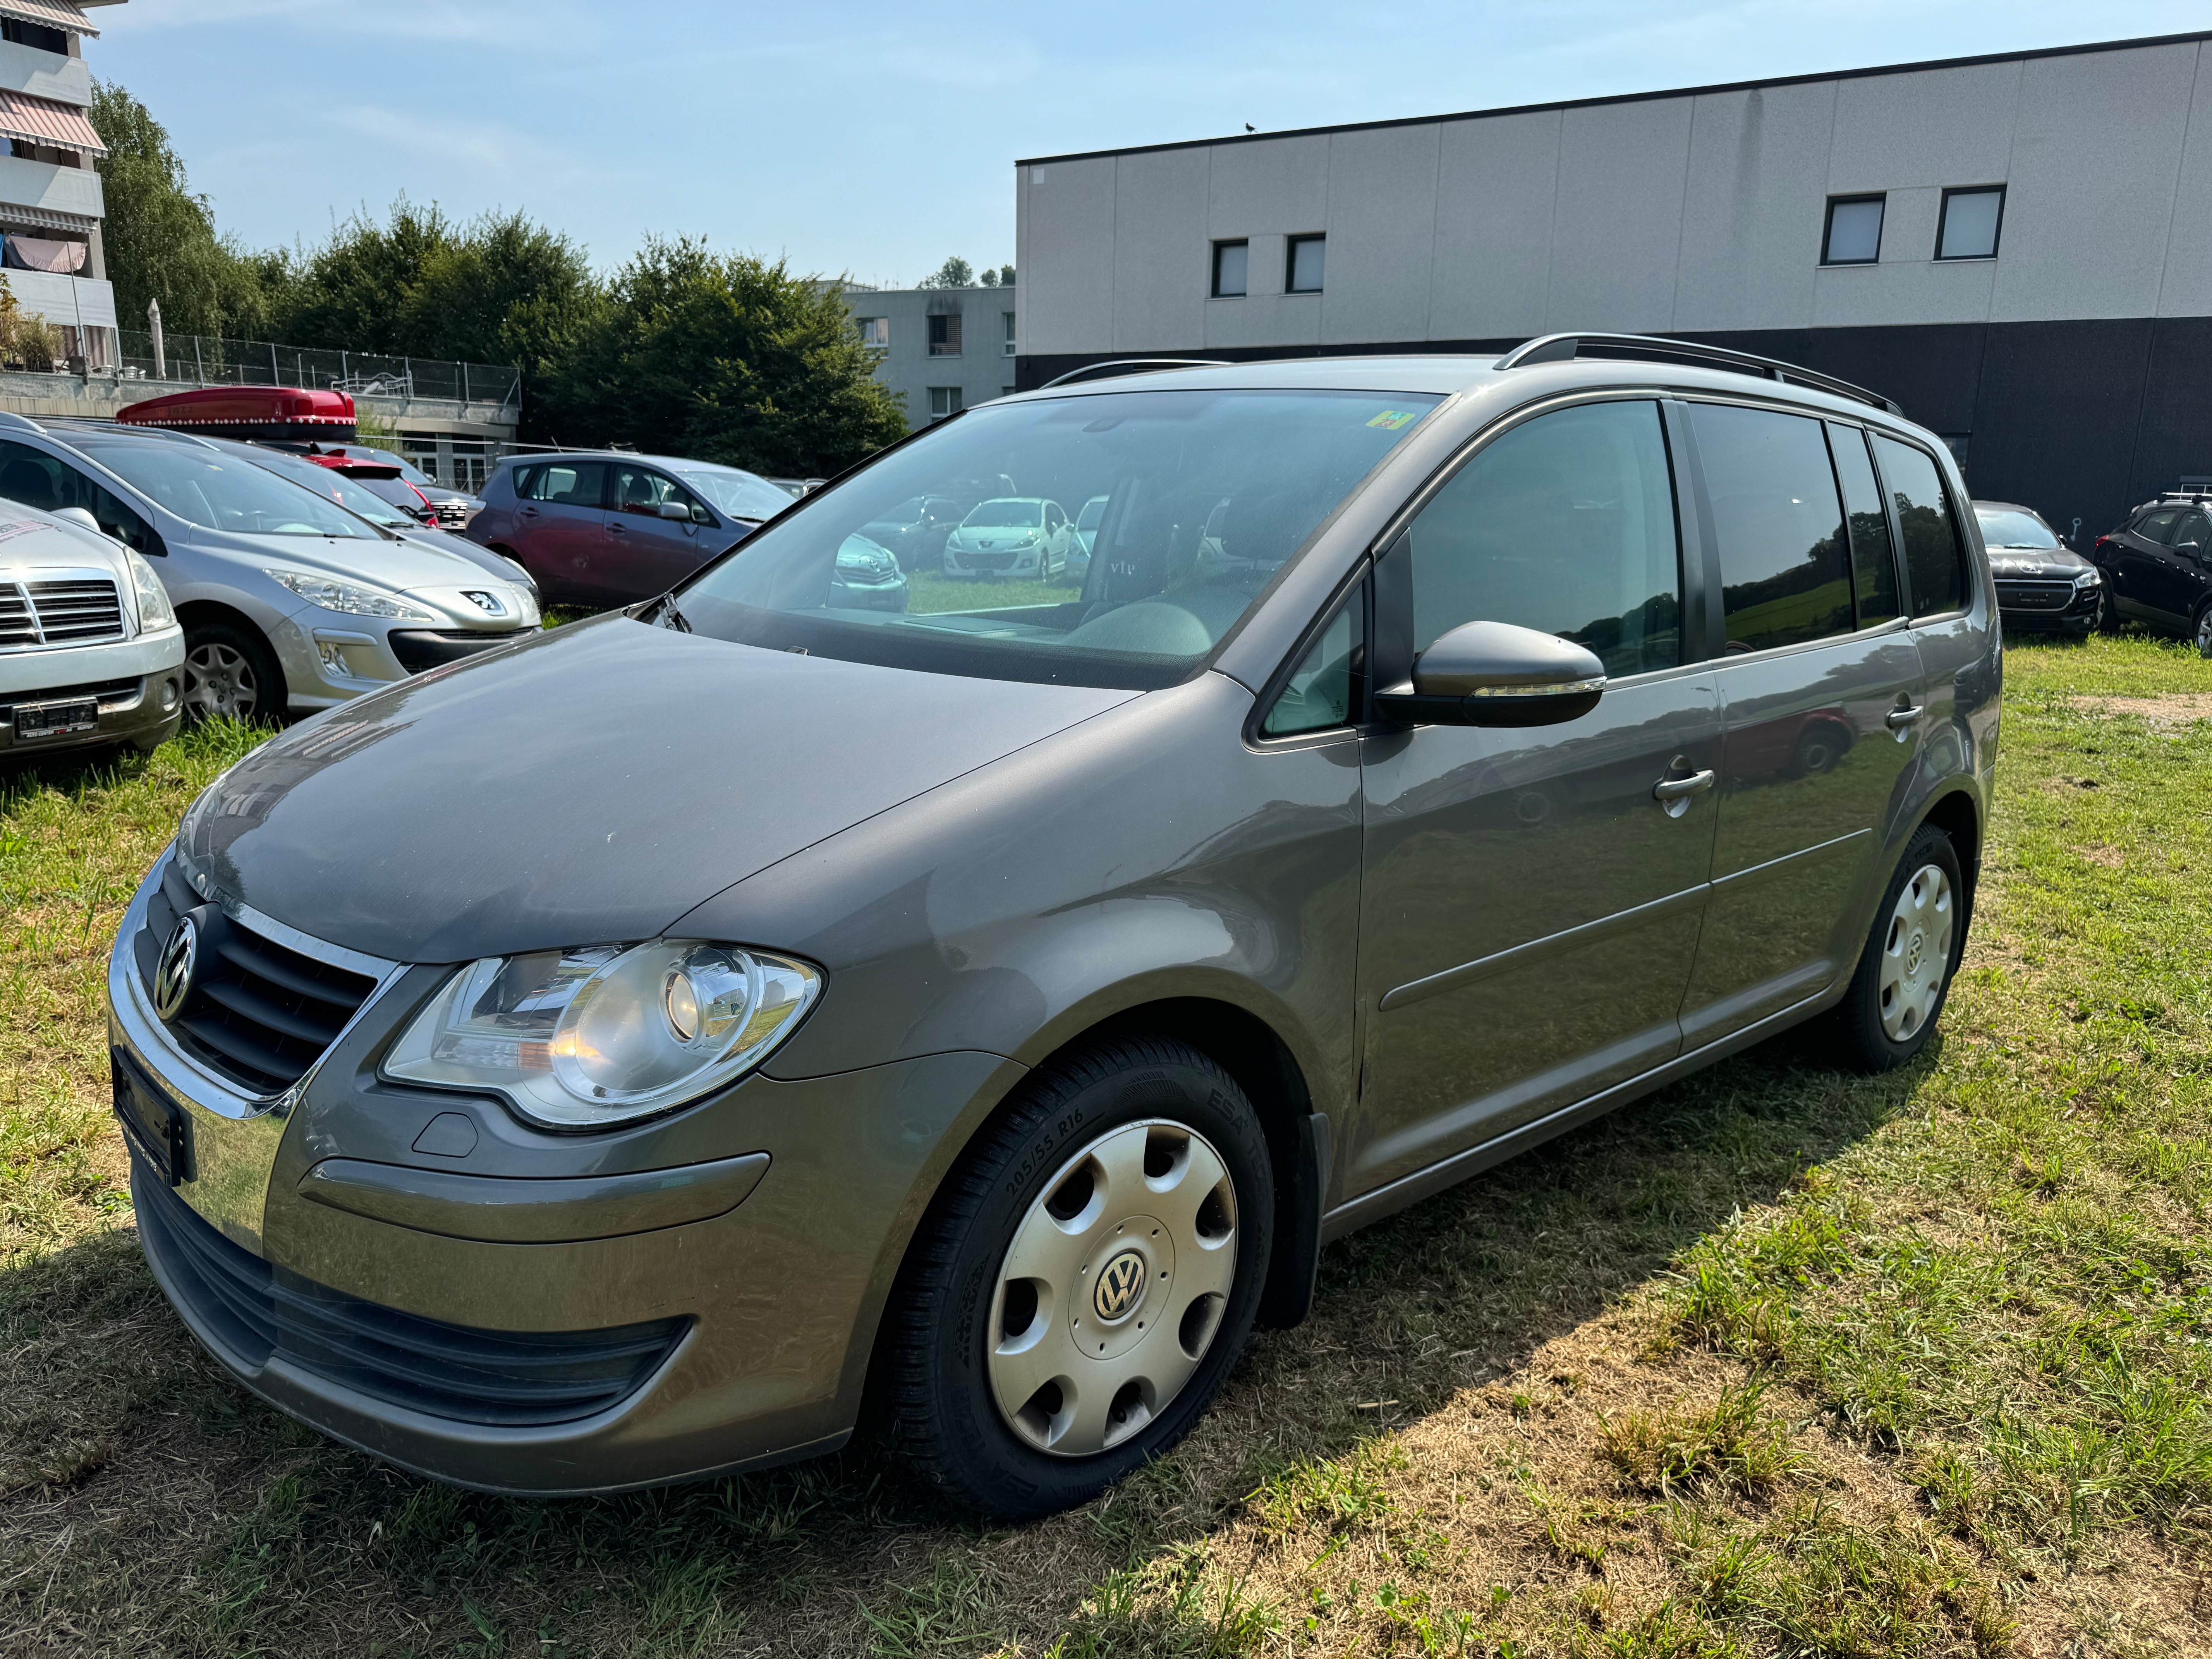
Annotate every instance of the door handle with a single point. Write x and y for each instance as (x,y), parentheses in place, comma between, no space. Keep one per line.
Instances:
(1677,788)
(1898,718)
(617,530)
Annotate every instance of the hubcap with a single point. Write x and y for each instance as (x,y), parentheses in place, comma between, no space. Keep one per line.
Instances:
(1916,953)
(219,682)
(1113,1288)
(2204,633)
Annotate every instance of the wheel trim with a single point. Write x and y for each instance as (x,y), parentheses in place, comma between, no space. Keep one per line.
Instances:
(1916,953)
(1116,1281)
(219,682)
(2204,633)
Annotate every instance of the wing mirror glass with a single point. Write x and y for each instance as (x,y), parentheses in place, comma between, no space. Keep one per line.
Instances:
(1490,673)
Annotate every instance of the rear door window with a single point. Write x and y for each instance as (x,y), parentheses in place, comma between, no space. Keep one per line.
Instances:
(1785,561)
(1874,560)
(2157,524)
(1565,523)
(568,483)
(1935,561)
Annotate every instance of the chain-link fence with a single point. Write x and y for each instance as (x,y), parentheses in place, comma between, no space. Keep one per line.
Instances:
(204,359)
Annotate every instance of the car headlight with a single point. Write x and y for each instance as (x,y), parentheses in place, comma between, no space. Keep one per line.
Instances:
(584,1038)
(2088,578)
(352,600)
(155,610)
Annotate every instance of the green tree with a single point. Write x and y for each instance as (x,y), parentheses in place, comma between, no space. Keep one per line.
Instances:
(955,272)
(160,238)
(724,357)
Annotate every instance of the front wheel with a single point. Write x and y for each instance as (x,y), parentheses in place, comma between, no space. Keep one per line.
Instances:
(1890,1010)
(1088,1278)
(230,674)
(2203,631)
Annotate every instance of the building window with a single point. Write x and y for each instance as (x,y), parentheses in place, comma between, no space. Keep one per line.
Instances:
(1854,236)
(943,400)
(35,35)
(875,331)
(944,336)
(1010,333)
(1302,271)
(1231,265)
(1968,227)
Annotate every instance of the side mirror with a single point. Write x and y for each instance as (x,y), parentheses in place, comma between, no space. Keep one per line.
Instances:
(80,517)
(676,510)
(699,514)
(1489,673)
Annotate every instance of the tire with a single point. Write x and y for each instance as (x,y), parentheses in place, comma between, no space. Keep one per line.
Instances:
(1911,952)
(1134,1141)
(230,670)
(2202,631)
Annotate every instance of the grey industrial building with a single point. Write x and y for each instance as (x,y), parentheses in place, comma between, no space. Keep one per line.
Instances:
(943,349)
(2017,248)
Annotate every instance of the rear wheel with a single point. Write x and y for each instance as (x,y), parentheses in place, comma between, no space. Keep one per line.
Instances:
(1905,972)
(231,673)
(2203,631)
(1088,1277)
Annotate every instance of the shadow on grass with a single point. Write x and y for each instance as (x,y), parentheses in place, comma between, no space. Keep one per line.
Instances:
(200,1515)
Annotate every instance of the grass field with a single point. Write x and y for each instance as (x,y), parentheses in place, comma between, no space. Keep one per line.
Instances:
(1777,1361)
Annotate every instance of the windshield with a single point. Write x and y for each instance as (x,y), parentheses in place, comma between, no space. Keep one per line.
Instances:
(348,493)
(1009,514)
(738,495)
(2011,528)
(218,492)
(1207,495)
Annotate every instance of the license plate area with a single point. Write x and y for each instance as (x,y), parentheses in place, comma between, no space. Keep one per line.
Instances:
(34,720)
(155,1125)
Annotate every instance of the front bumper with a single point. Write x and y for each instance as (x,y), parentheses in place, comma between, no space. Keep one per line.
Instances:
(329,658)
(775,1300)
(137,684)
(2026,605)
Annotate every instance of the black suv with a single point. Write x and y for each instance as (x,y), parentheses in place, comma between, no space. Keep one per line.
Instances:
(2155,566)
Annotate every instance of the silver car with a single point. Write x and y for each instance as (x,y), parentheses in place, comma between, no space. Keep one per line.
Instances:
(90,651)
(289,603)
(973,1018)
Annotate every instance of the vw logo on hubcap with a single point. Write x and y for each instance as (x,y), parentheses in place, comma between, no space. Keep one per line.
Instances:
(173,973)
(1912,955)
(1121,1287)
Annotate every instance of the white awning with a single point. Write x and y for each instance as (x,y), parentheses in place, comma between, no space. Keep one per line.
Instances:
(43,121)
(53,14)
(33,218)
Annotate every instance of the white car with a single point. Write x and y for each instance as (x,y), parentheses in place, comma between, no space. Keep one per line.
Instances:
(90,651)
(1010,536)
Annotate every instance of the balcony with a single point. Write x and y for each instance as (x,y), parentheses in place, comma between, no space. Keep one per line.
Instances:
(73,190)
(65,301)
(44,73)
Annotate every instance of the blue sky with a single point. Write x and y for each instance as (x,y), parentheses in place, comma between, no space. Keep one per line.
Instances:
(876,138)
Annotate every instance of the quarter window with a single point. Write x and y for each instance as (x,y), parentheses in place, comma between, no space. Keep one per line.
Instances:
(1936,577)
(1566,525)
(1303,268)
(1873,561)
(1854,233)
(1319,695)
(1232,262)
(1786,566)
(1968,227)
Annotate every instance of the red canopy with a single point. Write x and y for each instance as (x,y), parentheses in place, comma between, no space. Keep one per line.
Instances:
(248,411)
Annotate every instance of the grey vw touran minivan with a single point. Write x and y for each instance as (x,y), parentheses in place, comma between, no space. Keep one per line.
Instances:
(658,1048)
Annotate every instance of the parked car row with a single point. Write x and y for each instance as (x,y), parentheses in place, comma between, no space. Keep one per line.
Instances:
(630,1057)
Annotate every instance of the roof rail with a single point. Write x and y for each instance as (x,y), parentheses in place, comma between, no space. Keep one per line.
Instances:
(1129,366)
(1567,348)
(11,421)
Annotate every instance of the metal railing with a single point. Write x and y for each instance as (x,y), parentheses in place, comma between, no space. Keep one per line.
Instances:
(204,359)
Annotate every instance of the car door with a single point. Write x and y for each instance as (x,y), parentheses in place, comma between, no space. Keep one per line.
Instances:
(2136,556)
(1821,706)
(1530,909)
(2179,585)
(1056,542)
(562,530)
(647,554)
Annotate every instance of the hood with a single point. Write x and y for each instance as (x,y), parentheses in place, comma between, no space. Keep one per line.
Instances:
(2021,563)
(588,786)
(408,563)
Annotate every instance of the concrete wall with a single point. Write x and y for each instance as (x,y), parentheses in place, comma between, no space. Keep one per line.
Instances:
(983,370)
(1689,212)
(59,189)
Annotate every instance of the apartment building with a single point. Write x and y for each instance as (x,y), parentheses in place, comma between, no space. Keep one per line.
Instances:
(2017,247)
(50,206)
(944,349)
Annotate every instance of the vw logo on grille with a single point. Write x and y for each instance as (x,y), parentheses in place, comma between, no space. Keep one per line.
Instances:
(1121,1287)
(172,972)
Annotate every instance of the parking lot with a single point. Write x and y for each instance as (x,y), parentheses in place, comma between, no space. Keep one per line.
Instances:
(1777,1359)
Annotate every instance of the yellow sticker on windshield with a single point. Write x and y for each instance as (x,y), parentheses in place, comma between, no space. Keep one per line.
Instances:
(1391,419)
